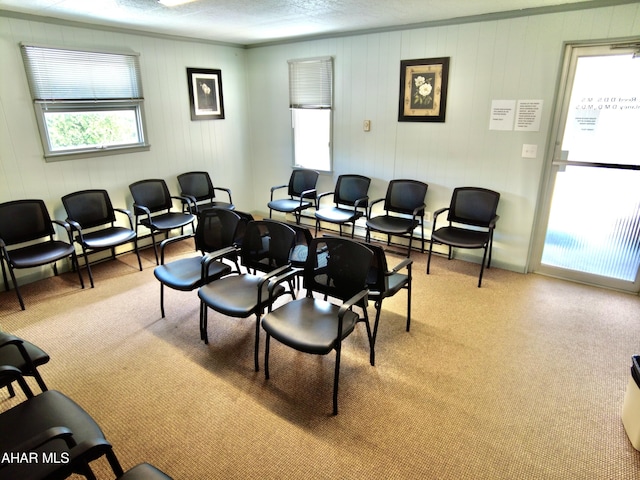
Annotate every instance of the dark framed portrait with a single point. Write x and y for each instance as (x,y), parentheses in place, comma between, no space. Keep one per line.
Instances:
(205,93)
(423,90)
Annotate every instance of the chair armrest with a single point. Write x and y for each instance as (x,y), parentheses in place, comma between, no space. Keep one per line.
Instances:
(494,220)
(46,436)
(277,187)
(322,195)
(362,295)
(75,226)
(419,209)
(274,281)
(9,373)
(189,200)
(127,213)
(435,217)
(224,190)
(210,257)
(141,210)
(171,240)
(273,273)
(364,201)
(9,339)
(66,226)
(371,206)
(406,263)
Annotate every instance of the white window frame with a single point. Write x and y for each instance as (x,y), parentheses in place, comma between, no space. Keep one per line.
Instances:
(73,81)
(311,88)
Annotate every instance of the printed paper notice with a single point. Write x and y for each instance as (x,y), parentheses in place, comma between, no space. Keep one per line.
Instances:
(528,115)
(502,114)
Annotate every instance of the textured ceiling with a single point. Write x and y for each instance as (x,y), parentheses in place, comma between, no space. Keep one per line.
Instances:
(250,22)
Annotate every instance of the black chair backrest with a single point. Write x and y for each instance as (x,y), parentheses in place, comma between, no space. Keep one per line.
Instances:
(245,218)
(350,188)
(90,208)
(473,206)
(216,229)
(302,180)
(337,267)
(153,194)
(267,245)
(404,196)
(197,185)
(24,221)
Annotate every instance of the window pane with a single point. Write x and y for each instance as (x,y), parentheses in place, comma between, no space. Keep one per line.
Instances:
(92,129)
(594,225)
(312,138)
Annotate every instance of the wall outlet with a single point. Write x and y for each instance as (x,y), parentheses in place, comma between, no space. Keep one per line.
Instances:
(366,125)
(427,216)
(529,151)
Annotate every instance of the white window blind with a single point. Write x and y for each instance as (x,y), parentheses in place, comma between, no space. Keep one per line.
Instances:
(311,83)
(56,74)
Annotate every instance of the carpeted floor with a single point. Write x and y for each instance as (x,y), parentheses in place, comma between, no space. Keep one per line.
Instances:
(521,379)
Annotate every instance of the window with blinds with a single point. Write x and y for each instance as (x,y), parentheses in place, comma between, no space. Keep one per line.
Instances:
(311,102)
(87,103)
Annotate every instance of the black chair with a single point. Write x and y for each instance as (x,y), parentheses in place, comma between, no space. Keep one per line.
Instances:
(318,326)
(350,202)
(50,426)
(92,216)
(403,211)
(23,355)
(28,222)
(384,283)
(301,191)
(199,188)
(266,248)
(216,230)
(152,204)
(472,219)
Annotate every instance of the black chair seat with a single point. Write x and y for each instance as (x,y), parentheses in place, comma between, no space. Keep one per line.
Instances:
(235,296)
(287,205)
(460,237)
(185,274)
(40,254)
(392,225)
(169,221)
(11,355)
(338,215)
(109,237)
(223,205)
(29,419)
(308,325)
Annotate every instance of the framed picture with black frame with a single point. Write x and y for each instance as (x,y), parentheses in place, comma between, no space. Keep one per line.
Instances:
(423,90)
(205,93)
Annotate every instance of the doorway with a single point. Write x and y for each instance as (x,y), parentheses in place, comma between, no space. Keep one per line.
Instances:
(591,230)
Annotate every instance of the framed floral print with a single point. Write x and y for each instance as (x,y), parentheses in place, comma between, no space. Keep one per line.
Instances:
(423,90)
(205,93)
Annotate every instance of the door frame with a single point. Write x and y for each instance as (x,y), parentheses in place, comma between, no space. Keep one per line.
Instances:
(564,87)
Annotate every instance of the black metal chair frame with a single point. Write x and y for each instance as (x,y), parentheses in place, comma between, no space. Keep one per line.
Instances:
(96,230)
(468,238)
(164,220)
(299,191)
(34,254)
(399,224)
(187,274)
(42,421)
(190,186)
(23,355)
(328,289)
(346,204)
(257,283)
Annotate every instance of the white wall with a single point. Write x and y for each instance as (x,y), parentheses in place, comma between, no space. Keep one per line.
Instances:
(503,59)
(250,150)
(177,143)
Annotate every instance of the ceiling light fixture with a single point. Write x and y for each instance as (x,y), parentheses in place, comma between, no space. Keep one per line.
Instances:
(174,3)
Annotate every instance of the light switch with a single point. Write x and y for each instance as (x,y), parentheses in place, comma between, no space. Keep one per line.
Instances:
(366,125)
(529,151)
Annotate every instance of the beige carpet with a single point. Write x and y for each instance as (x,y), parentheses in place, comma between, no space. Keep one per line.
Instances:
(521,379)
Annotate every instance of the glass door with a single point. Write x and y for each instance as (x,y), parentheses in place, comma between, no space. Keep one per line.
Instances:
(592,229)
